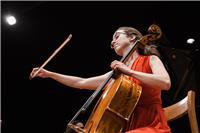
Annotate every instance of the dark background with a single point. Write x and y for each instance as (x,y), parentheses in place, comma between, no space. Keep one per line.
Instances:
(43,105)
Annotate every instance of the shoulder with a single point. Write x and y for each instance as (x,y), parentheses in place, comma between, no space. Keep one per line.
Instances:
(150,58)
(153,59)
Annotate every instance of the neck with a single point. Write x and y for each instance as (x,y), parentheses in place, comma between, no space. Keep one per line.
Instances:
(129,48)
(134,55)
(132,58)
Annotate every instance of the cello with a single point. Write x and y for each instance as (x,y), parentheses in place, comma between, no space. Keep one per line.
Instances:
(119,97)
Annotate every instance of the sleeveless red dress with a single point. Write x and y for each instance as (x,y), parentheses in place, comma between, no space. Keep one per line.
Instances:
(148,115)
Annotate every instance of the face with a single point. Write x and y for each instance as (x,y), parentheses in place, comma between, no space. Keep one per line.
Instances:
(121,42)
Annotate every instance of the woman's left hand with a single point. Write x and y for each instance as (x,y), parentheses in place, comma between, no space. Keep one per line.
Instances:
(120,67)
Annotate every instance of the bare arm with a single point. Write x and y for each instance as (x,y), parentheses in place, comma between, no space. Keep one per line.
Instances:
(73,81)
(158,79)
(77,82)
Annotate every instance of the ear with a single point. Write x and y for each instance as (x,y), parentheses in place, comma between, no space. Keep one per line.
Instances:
(132,38)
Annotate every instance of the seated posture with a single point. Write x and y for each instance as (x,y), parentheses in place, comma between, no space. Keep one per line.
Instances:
(143,67)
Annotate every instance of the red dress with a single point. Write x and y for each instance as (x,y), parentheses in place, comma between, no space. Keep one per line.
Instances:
(148,115)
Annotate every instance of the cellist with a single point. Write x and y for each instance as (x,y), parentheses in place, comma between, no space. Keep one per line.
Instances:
(144,67)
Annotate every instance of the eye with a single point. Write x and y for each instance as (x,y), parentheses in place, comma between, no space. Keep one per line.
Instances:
(116,36)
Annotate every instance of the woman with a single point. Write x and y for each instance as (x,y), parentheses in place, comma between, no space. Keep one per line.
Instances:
(143,68)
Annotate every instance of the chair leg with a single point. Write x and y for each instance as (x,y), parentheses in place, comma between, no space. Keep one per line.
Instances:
(192,112)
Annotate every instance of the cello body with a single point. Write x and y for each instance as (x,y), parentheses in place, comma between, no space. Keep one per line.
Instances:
(114,108)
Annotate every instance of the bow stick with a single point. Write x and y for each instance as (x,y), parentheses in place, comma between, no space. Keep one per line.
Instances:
(54,53)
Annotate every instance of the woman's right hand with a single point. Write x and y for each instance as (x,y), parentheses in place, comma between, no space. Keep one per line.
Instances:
(43,73)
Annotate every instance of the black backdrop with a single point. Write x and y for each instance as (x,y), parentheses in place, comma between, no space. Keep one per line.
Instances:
(43,105)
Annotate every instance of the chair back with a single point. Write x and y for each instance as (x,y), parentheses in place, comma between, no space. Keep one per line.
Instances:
(179,109)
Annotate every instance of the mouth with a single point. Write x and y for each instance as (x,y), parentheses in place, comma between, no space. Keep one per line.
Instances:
(115,45)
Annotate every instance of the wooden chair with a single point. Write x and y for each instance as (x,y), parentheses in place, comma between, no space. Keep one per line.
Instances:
(185,106)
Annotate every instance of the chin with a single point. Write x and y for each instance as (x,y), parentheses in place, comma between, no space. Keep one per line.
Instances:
(119,53)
